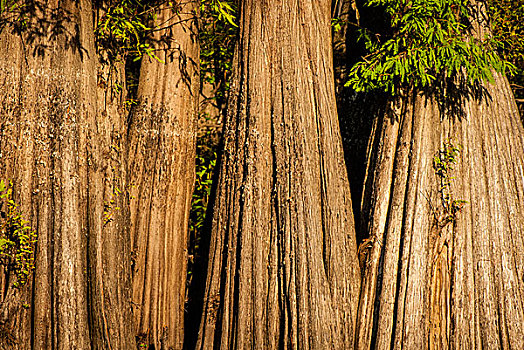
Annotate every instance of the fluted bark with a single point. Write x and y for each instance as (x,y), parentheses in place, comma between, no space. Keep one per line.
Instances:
(444,263)
(161,152)
(283,271)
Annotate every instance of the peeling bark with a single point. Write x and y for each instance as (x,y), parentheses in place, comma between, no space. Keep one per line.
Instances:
(283,271)
(161,176)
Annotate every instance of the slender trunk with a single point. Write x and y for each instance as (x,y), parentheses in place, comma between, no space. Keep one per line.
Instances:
(442,273)
(161,176)
(110,246)
(47,113)
(283,271)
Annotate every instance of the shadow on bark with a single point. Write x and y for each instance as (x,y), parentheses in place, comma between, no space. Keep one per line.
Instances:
(197,287)
(41,24)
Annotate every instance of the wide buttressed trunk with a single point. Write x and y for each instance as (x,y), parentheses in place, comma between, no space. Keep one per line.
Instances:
(161,152)
(440,272)
(444,204)
(283,271)
(47,113)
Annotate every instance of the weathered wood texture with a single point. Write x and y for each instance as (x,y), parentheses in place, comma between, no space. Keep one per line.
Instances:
(161,152)
(432,284)
(110,248)
(47,140)
(283,271)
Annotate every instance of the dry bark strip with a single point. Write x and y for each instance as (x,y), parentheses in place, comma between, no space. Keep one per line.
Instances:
(283,271)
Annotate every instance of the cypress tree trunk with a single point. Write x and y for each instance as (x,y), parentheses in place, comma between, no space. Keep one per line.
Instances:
(283,271)
(110,246)
(47,116)
(441,273)
(161,175)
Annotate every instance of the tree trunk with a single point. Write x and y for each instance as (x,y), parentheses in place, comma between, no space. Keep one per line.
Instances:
(438,276)
(47,116)
(283,271)
(161,175)
(110,246)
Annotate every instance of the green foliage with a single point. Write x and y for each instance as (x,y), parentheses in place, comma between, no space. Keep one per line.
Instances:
(7,6)
(428,40)
(336,24)
(443,163)
(205,162)
(13,12)
(507,22)
(217,35)
(121,33)
(122,28)
(206,158)
(141,341)
(507,25)
(218,32)
(223,10)
(17,239)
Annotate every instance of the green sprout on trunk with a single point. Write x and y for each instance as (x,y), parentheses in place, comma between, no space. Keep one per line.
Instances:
(443,163)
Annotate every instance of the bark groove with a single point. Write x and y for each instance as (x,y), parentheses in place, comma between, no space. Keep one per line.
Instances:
(283,271)
(161,175)
(436,283)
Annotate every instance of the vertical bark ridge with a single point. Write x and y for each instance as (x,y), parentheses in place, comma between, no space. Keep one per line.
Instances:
(48,117)
(161,175)
(458,284)
(282,267)
(109,246)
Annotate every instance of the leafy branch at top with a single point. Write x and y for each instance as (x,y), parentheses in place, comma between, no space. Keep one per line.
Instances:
(13,12)
(122,28)
(217,34)
(507,26)
(428,40)
(223,10)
